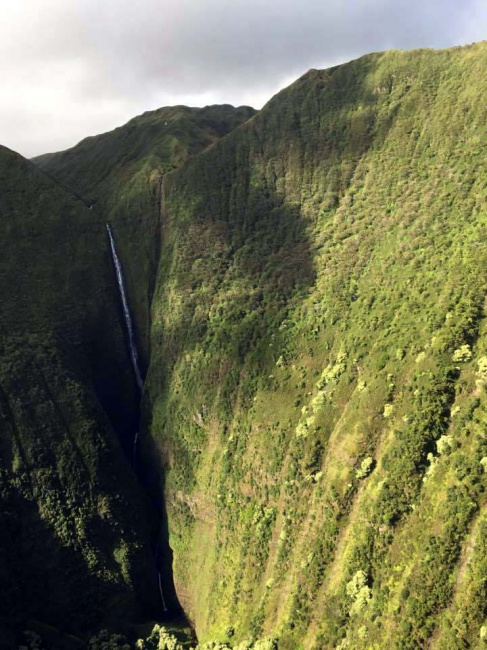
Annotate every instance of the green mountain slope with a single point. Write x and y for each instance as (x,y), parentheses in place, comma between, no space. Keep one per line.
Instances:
(316,384)
(77,532)
(119,174)
(314,412)
(74,525)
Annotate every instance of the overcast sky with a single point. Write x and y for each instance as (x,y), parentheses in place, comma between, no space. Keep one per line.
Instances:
(72,68)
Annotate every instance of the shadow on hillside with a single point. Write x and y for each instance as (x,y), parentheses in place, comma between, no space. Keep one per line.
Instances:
(129,429)
(237,258)
(54,487)
(43,579)
(151,476)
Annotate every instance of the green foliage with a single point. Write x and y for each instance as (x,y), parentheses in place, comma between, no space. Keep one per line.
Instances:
(319,299)
(106,641)
(159,639)
(366,467)
(462,354)
(315,287)
(482,368)
(162,639)
(119,175)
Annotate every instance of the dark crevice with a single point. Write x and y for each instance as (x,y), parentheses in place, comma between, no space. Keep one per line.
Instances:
(170,608)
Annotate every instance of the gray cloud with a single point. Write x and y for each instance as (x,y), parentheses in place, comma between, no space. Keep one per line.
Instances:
(78,67)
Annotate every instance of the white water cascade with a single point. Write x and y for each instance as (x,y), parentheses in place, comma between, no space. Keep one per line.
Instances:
(126,312)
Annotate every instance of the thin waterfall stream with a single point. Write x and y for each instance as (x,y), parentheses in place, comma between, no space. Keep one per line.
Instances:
(134,357)
(134,451)
(160,591)
(126,312)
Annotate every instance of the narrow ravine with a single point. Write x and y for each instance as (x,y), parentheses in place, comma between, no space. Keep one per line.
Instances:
(134,357)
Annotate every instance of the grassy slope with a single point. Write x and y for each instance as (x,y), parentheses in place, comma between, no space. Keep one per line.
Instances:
(120,172)
(321,269)
(74,551)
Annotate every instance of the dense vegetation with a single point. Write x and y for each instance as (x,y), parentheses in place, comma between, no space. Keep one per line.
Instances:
(74,526)
(318,361)
(315,401)
(79,540)
(118,174)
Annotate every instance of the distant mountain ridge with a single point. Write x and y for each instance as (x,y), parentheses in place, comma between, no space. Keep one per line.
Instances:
(119,174)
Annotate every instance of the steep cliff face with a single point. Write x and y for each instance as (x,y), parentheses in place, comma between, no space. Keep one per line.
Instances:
(57,277)
(314,412)
(78,543)
(119,175)
(316,386)
(75,527)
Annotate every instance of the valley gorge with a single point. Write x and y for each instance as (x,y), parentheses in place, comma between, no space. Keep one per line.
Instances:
(243,371)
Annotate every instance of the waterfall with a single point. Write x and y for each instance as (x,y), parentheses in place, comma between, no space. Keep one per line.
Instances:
(160,591)
(138,376)
(134,454)
(126,312)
